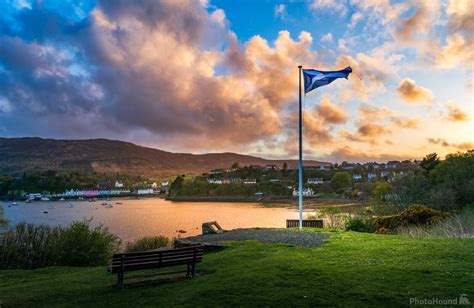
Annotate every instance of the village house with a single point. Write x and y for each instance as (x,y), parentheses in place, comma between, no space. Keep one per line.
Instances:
(274,181)
(307,192)
(384,174)
(270,167)
(357,176)
(315,181)
(371,175)
(250,181)
(118,184)
(393,164)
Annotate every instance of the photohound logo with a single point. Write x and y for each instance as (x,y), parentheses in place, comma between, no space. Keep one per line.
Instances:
(461,300)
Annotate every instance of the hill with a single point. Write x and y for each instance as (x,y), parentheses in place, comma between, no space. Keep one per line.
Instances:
(19,155)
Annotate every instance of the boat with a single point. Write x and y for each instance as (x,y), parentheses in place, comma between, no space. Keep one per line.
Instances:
(45,199)
(27,201)
(70,205)
(46,212)
(108,206)
(181,231)
(61,199)
(14,203)
(104,203)
(118,203)
(51,207)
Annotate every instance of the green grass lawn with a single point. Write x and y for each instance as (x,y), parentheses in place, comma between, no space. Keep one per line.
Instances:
(354,269)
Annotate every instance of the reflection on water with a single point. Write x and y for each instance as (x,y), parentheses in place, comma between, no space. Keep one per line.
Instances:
(135,218)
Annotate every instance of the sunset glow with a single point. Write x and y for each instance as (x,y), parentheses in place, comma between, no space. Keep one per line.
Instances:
(216,76)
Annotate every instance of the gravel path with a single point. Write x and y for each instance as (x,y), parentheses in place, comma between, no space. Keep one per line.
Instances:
(291,237)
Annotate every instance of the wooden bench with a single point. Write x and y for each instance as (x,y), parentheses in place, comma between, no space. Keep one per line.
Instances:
(134,261)
(307,223)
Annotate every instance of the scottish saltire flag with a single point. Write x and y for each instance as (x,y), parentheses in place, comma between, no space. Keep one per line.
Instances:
(314,79)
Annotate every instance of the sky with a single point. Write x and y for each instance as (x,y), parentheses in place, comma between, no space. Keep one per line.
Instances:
(222,76)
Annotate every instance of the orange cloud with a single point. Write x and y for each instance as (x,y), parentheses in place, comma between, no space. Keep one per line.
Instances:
(410,92)
(331,113)
(347,153)
(444,143)
(456,114)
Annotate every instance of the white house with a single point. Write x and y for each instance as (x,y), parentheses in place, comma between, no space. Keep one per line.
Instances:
(357,176)
(307,192)
(250,181)
(385,173)
(315,181)
(274,181)
(145,191)
(371,175)
(154,185)
(118,184)
(214,181)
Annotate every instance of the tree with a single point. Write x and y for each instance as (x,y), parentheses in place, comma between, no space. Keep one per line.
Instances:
(176,185)
(381,191)
(235,165)
(454,175)
(341,181)
(429,162)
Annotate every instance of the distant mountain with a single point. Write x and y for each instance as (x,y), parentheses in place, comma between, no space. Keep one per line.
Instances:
(19,155)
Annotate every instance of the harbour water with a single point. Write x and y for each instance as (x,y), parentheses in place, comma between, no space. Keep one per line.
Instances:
(136,218)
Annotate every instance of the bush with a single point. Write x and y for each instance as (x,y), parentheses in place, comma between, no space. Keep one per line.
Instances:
(30,246)
(417,215)
(82,245)
(360,224)
(148,243)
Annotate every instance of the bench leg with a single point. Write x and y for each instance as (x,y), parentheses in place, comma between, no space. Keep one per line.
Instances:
(120,280)
(192,269)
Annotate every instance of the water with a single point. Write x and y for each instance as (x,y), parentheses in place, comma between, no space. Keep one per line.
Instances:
(136,218)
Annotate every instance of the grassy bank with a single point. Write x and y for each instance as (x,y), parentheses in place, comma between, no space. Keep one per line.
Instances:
(352,269)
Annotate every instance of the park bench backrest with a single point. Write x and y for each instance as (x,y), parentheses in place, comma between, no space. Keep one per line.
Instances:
(130,261)
(307,223)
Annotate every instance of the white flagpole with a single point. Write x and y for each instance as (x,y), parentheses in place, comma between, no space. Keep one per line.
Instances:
(300,129)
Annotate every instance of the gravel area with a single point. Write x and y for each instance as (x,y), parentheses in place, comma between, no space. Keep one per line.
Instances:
(291,237)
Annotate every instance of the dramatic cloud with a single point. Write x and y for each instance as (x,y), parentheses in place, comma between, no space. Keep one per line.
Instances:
(150,67)
(412,93)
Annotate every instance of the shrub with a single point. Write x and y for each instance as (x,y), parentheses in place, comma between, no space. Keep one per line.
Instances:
(148,243)
(417,215)
(82,245)
(359,224)
(32,246)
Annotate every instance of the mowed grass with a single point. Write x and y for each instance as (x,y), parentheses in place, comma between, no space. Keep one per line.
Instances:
(352,269)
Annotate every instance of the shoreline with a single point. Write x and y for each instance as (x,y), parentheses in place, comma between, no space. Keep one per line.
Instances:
(289,202)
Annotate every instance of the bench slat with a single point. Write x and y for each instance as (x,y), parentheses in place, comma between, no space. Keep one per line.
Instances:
(138,257)
(170,251)
(155,259)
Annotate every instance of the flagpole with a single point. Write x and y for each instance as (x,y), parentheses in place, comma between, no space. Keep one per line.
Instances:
(300,130)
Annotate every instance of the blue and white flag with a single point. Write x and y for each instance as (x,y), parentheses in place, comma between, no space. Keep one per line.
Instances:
(314,79)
